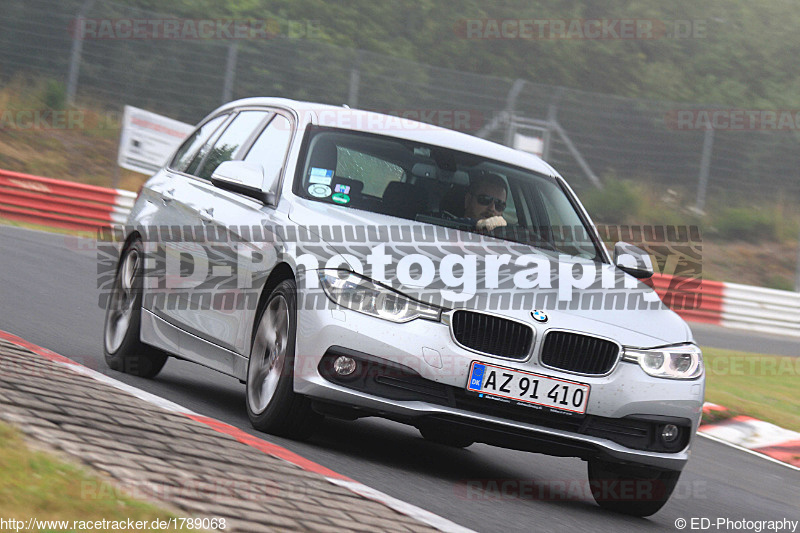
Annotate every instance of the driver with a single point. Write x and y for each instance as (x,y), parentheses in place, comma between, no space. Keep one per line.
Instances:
(485,201)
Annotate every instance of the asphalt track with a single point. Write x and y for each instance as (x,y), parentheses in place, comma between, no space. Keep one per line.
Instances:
(48,295)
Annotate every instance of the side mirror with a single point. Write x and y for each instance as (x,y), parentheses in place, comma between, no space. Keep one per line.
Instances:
(633,260)
(243,178)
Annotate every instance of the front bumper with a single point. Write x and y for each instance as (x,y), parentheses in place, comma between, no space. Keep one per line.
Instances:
(624,407)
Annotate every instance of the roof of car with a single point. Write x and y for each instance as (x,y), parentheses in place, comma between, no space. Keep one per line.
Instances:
(378,123)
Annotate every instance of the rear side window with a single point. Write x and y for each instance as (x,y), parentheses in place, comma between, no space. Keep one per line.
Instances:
(197,139)
(230,142)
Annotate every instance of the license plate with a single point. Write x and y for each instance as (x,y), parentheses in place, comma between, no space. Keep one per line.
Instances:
(497,381)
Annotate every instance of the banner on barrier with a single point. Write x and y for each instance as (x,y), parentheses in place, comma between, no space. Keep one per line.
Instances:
(148,139)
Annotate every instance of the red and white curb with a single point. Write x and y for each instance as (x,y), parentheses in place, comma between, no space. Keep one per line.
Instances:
(419,514)
(755,435)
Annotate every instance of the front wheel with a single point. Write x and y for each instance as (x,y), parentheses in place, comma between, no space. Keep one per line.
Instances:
(123,349)
(631,490)
(272,404)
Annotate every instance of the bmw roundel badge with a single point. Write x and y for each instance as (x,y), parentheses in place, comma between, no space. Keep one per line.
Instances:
(539,316)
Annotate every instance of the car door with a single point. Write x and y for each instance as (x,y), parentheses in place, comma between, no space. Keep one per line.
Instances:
(189,282)
(165,217)
(239,253)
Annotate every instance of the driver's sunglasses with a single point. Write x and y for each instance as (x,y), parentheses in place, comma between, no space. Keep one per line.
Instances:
(485,199)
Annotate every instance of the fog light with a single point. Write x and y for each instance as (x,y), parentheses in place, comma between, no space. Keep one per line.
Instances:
(344,366)
(669,433)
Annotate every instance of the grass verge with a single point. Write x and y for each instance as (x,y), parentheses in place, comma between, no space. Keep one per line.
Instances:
(34,484)
(766,387)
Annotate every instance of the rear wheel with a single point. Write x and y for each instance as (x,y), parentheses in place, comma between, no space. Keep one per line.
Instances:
(631,490)
(272,404)
(123,349)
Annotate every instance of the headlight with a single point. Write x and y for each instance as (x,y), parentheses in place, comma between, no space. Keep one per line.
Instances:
(365,296)
(684,361)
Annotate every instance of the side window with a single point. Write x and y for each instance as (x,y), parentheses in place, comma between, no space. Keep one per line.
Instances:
(229,143)
(562,218)
(184,154)
(270,148)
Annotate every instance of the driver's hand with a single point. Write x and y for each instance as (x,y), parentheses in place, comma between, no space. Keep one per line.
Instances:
(488,224)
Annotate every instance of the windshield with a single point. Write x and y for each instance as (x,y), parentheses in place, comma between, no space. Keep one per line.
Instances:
(443,187)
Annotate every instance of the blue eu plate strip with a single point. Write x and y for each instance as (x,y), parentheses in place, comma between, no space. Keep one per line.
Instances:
(476,379)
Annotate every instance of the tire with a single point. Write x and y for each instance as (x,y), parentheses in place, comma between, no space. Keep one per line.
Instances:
(272,404)
(636,491)
(123,349)
(444,437)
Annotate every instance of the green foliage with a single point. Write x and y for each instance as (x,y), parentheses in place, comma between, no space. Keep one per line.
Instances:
(616,203)
(55,95)
(746,224)
(737,53)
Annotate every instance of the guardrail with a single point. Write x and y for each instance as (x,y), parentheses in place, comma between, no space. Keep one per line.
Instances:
(694,299)
(760,309)
(731,305)
(78,206)
(61,204)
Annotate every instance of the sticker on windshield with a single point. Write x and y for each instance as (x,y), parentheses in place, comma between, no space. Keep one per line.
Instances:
(340,198)
(344,189)
(320,175)
(319,190)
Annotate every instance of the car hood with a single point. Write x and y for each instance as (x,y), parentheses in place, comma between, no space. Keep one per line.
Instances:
(454,269)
